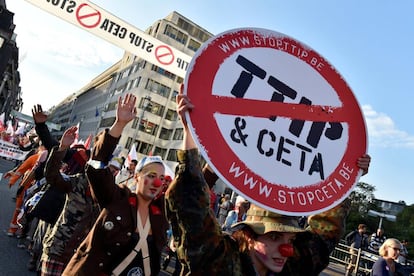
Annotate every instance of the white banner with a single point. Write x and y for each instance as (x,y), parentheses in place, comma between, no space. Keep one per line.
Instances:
(103,24)
(9,150)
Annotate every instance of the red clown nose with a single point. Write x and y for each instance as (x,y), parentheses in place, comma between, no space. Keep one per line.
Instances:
(286,250)
(157,182)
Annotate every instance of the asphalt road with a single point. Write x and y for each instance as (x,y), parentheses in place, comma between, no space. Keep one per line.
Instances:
(13,260)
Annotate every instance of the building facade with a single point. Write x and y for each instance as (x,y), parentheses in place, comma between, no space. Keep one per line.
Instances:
(157,129)
(10,91)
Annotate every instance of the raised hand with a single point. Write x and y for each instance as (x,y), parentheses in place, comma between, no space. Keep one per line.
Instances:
(68,137)
(363,163)
(126,110)
(38,115)
(183,105)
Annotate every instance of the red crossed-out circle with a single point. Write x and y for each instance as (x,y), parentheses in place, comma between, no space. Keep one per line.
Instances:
(88,16)
(164,55)
(215,149)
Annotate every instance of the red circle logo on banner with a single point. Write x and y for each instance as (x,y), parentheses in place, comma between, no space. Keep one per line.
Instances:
(88,16)
(275,120)
(164,54)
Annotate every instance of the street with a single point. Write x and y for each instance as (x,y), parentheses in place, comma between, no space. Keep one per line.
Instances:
(13,260)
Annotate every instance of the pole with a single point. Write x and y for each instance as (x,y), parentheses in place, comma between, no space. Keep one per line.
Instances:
(146,100)
(380,223)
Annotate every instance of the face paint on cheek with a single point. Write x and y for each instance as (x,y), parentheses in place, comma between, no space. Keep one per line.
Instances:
(261,252)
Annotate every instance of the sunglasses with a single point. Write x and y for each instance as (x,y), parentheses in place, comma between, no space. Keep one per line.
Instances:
(396,248)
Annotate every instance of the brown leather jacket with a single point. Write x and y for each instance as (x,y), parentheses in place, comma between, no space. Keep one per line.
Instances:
(113,236)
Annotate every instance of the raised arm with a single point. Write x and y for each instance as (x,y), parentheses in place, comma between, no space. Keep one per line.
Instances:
(53,165)
(42,130)
(188,203)
(184,105)
(100,177)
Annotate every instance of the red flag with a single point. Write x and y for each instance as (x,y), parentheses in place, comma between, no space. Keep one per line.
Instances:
(2,128)
(76,141)
(88,142)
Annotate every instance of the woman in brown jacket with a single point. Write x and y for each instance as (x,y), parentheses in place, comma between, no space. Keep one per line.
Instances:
(130,232)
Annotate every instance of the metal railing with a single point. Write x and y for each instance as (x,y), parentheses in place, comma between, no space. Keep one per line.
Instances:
(364,260)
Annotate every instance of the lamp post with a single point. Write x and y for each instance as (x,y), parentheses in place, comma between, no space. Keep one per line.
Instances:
(145,102)
(373,213)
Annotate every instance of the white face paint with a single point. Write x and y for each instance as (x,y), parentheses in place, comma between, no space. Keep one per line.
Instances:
(148,180)
(266,253)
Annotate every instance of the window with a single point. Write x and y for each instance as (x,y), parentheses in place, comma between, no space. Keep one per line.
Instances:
(193,45)
(129,84)
(165,134)
(107,122)
(171,115)
(135,68)
(172,155)
(178,134)
(136,82)
(135,123)
(128,143)
(175,34)
(111,106)
(148,127)
(192,30)
(159,151)
(144,148)
(156,109)
(174,95)
(163,72)
(125,73)
(119,90)
(158,88)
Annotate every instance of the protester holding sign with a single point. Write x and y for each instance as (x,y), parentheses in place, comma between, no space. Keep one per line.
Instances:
(266,242)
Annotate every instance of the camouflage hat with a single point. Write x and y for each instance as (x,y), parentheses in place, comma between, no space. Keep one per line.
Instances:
(262,221)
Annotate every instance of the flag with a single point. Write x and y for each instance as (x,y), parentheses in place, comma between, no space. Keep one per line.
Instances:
(76,135)
(10,128)
(21,130)
(132,155)
(88,142)
(2,128)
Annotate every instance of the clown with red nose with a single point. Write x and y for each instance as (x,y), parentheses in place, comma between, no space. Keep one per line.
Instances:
(272,235)
(149,176)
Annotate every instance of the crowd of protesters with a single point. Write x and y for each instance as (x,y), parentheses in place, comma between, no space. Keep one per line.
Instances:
(114,219)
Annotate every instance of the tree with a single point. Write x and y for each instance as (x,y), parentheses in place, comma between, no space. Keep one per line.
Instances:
(361,201)
(404,228)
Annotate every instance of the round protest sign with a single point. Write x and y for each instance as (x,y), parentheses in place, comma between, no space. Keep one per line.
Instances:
(275,120)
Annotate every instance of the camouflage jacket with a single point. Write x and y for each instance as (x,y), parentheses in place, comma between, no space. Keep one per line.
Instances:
(204,249)
(78,215)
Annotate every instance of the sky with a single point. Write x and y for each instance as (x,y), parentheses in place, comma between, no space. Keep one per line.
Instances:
(369,42)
